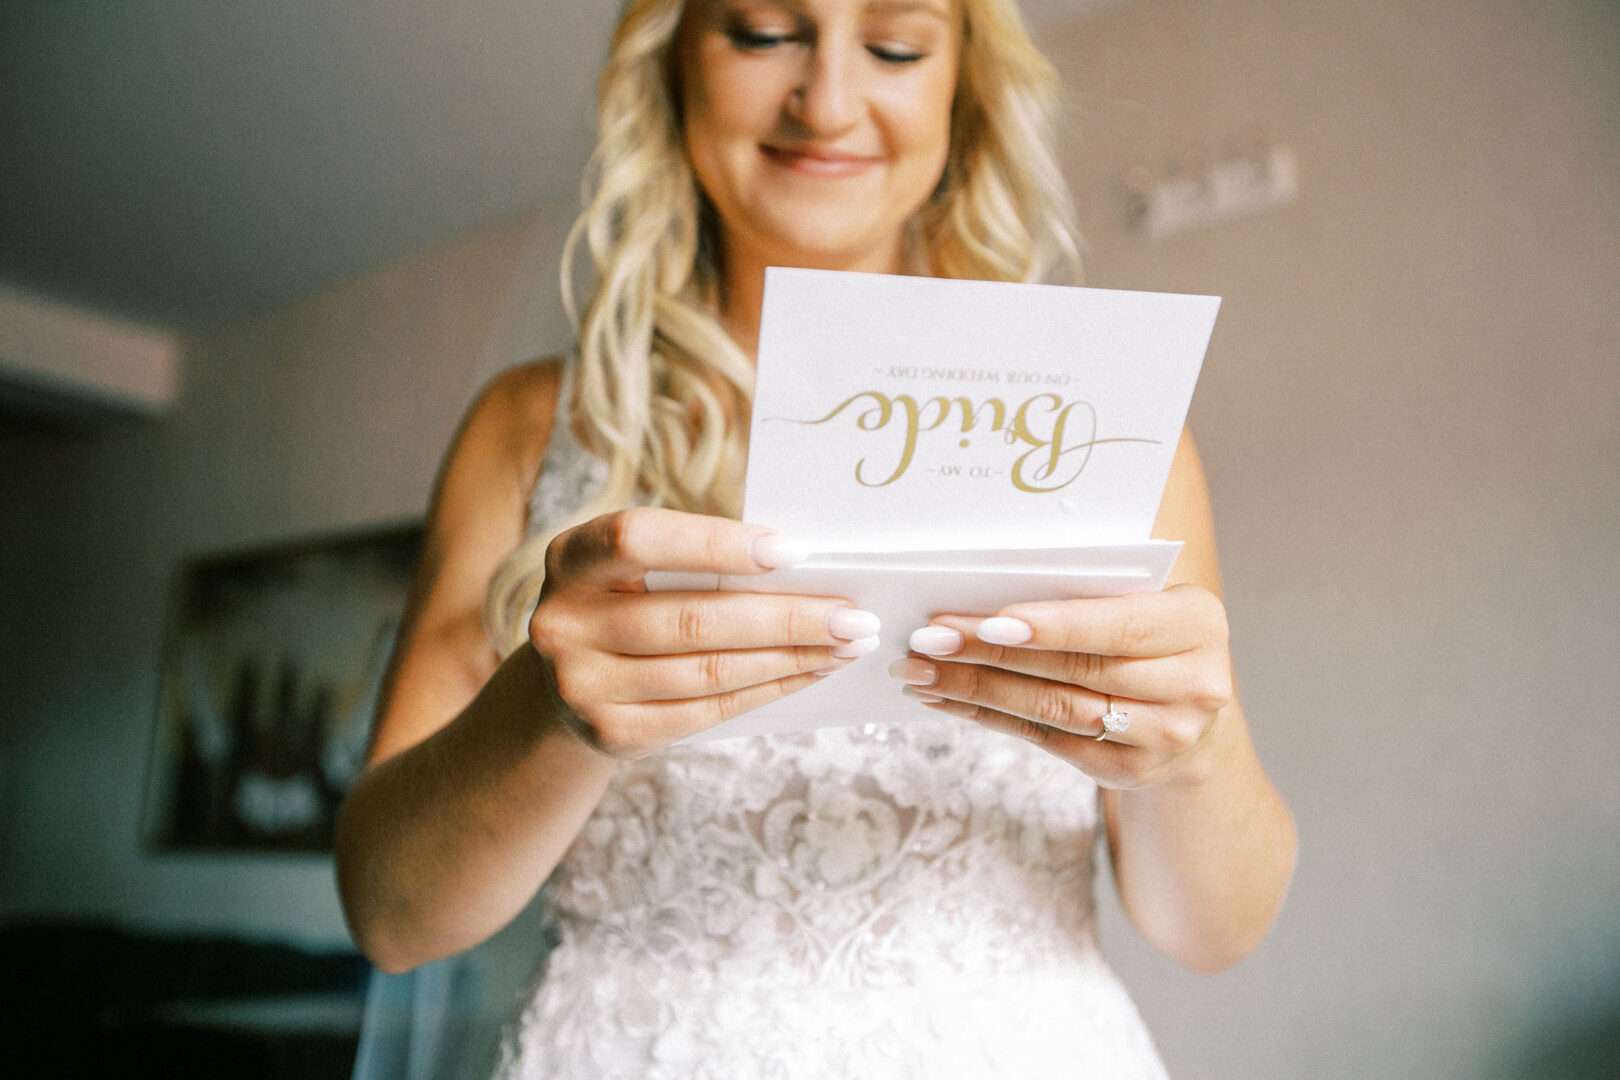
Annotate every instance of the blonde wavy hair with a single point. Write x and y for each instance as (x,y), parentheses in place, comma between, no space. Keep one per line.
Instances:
(661,392)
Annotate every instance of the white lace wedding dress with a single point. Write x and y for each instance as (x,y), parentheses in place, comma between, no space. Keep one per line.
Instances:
(858,902)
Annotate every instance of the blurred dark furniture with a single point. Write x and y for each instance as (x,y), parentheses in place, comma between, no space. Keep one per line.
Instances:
(91,999)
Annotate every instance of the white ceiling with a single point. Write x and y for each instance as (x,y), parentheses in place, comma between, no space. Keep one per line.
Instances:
(178,161)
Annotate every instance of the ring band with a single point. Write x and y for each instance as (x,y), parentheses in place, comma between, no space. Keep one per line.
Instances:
(1113,721)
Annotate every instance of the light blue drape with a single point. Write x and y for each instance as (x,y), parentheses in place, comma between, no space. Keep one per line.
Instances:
(443,1021)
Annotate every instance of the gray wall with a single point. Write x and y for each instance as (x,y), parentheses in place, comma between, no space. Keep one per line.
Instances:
(328,414)
(1410,414)
(1409,417)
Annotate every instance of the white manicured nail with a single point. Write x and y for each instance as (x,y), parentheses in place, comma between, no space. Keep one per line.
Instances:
(1004,631)
(775,552)
(830,668)
(849,650)
(936,641)
(925,698)
(852,623)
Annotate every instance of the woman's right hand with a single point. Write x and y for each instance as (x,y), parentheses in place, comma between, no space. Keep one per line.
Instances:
(635,670)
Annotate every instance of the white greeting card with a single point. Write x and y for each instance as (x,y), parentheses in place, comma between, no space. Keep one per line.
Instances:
(905,413)
(956,446)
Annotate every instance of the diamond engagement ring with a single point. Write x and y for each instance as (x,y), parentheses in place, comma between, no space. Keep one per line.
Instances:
(1113,721)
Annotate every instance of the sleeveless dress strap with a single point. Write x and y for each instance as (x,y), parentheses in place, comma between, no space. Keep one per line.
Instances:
(571,475)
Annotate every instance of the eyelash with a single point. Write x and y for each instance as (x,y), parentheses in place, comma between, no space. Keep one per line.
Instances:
(758,41)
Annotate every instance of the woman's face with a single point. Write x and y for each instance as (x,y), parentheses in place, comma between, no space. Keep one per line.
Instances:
(818,127)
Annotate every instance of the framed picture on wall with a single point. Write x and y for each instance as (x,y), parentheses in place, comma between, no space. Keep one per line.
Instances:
(271,671)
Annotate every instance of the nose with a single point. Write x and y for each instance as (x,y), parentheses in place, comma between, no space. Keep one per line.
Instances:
(827,99)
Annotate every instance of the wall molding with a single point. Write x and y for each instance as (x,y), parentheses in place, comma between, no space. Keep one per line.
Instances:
(53,355)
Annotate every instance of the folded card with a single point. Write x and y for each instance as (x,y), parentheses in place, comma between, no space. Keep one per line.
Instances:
(905,597)
(904,413)
(956,446)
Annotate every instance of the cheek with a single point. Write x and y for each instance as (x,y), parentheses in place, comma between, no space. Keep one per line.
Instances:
(709,126)
(922,124)
(728,97)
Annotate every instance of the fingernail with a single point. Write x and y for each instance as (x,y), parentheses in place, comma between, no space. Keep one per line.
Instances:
(849,650)
(1004,631)
(926,699)
(852,623)
(914,672)
(936,641)
(830,668)
(775,552)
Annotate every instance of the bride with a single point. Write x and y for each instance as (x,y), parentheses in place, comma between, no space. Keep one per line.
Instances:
(862,901)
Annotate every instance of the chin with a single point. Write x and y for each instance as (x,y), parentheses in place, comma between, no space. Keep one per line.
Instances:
(817,243)
(829,258)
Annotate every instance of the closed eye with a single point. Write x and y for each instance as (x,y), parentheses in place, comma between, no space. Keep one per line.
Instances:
(750,40)
(891,54)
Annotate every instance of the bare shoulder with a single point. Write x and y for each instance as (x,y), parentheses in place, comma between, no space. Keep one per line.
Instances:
(477,515)
(1185,514)
(513,415)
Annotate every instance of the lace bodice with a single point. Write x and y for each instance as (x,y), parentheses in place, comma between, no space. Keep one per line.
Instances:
(906,900)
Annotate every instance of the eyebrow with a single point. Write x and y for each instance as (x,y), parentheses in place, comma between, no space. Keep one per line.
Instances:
(884,7)
(906,7)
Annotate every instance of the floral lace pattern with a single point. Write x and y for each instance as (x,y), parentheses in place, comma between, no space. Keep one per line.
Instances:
(868,901)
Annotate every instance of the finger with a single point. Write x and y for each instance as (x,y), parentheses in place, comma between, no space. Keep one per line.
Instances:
(671,721)
(657,624)
(623,547)
(1058,705)
(1086,753)
(1144,678)
(698,675)
(1166,623)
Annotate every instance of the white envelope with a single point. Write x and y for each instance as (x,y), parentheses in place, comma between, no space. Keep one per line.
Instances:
(953,447)
(904,597)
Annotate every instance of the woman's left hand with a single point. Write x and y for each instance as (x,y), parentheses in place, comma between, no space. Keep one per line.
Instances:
(1049,671)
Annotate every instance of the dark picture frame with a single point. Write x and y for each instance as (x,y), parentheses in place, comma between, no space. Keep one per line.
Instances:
(272,665)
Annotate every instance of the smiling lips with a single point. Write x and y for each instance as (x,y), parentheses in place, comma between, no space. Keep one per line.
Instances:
(815,161)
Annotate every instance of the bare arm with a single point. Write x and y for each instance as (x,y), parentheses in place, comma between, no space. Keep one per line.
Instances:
(474,790)
(1202,859)
(482,772)
(1202,844)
